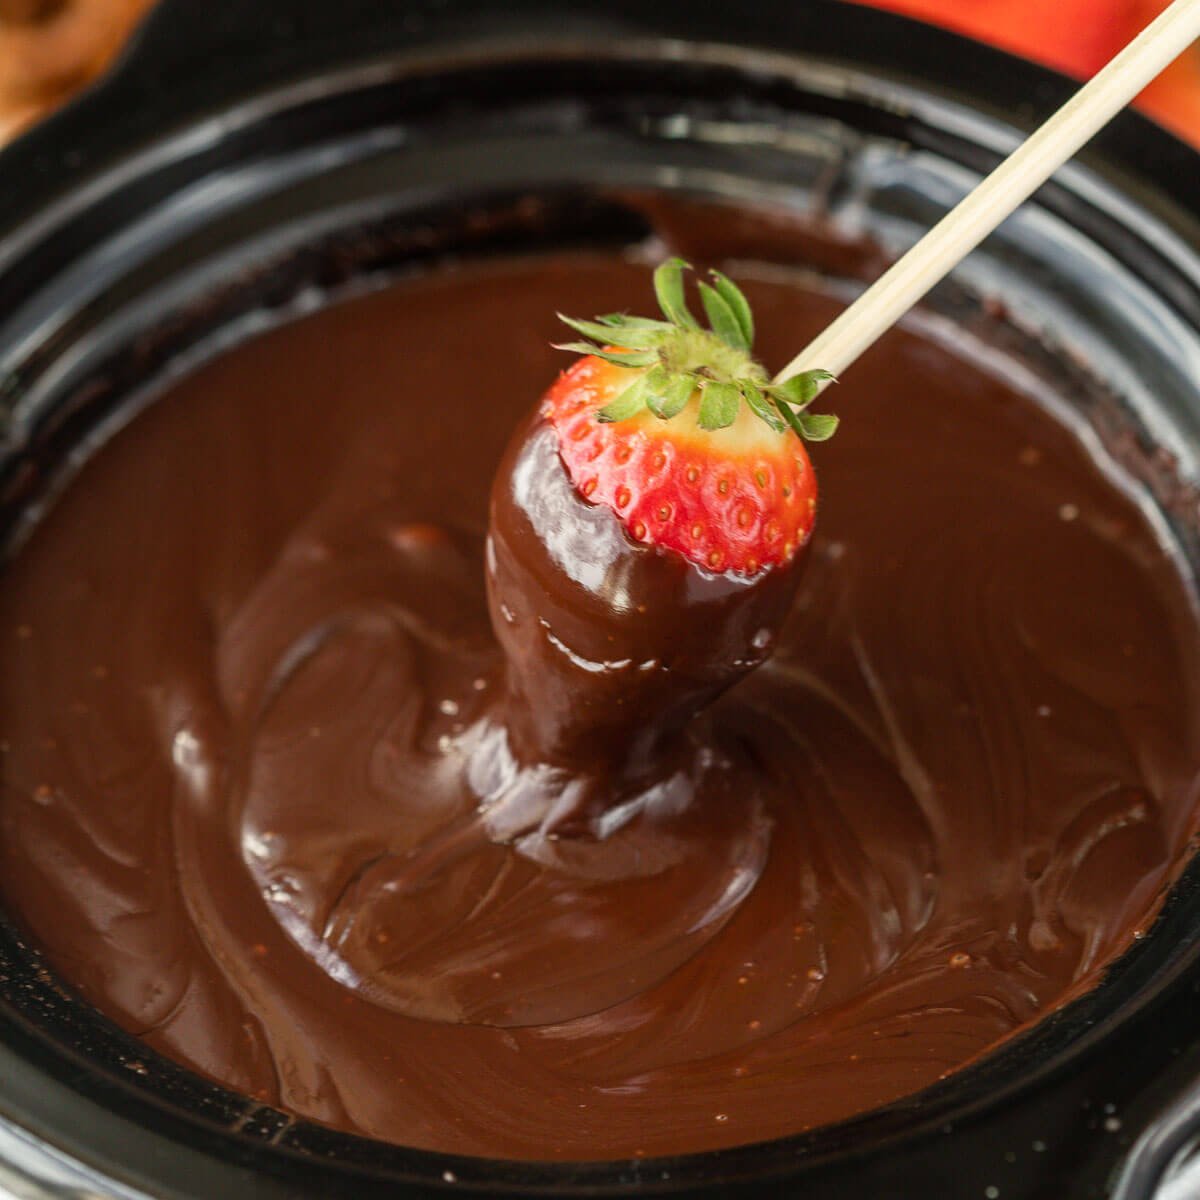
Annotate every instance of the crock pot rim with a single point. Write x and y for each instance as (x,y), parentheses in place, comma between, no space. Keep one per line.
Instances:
(88,134)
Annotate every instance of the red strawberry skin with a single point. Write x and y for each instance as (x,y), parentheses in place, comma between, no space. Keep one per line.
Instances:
(740,499)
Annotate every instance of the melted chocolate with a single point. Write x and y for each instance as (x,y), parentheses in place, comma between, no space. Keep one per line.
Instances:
(273,802)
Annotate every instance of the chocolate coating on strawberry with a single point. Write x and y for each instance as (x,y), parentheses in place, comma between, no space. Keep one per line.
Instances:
(611,646)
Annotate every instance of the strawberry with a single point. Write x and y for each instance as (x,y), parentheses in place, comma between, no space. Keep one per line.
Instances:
(643,551)
(679,431)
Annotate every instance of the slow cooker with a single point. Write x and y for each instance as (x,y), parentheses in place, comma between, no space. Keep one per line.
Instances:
(246,163)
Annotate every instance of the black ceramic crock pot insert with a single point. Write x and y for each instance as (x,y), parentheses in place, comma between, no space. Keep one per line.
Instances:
(236,93)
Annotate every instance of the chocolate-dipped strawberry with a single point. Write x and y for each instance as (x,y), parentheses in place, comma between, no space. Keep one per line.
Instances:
(648,525)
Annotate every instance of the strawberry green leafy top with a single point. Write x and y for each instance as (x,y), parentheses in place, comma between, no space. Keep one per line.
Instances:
(676,356)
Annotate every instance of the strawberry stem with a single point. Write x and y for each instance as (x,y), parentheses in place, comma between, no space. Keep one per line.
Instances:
(677,356)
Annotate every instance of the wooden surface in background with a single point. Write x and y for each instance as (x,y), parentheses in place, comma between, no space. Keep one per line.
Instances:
(51,48)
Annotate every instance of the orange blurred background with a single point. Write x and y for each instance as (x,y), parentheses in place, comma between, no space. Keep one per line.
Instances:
(1074,36)
(51,48)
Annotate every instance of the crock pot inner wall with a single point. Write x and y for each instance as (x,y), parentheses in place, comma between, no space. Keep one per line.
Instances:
(301,199)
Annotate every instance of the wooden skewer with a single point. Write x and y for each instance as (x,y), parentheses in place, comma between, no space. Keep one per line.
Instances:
(1003,191)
